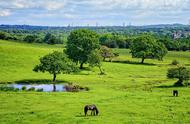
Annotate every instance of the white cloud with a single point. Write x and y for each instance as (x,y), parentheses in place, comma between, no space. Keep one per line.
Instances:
(139,4)
(53,5)
(108,11)
(5,12)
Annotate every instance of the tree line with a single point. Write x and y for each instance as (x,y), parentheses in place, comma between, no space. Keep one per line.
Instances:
(111,40)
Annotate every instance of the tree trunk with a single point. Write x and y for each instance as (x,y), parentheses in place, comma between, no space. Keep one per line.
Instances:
(179,82)
(81,65)
(142,60)
(54,81)
(101,72)
(104,59)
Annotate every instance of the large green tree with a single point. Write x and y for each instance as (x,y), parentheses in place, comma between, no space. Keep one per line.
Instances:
(55,63)
(181,73)
(80,44)
(146,46)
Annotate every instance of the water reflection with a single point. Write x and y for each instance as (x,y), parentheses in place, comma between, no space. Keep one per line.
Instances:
(45,87)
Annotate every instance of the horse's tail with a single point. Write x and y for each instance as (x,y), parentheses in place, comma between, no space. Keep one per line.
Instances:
(97,111)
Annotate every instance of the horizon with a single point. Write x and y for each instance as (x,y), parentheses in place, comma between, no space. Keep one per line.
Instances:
(95,25)
(94,13)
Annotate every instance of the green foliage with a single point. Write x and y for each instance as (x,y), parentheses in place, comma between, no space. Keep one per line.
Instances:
(175,62)
(95,59)
(3,35)
(114,41)
(31,89)
(6,88)
(55,63)
(181,73)
(106,52)
(80,44)
(30,38)
(23,88)
(145,46)
(40,90)
(52,39)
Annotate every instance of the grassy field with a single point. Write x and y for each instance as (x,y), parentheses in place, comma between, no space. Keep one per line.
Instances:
(129,93)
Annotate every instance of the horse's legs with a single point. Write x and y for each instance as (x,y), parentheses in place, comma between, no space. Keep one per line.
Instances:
(91,112)
(85,111)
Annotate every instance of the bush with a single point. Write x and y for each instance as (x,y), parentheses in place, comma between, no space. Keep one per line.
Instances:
(40,90)
(75,88)
(175,62)
(6,88)
(16,89)
(31,89)
(23,88)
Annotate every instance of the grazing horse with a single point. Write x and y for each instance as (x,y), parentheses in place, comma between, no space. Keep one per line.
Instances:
(93,108)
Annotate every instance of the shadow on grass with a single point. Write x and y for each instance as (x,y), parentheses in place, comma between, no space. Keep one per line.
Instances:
(80,116)
(132,62)
(87,116)
(169,86)
(34,81)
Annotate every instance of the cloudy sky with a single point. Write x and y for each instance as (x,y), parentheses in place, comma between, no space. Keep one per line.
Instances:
(103,12)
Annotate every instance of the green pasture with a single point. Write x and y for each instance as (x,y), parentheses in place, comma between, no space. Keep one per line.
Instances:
(129,93)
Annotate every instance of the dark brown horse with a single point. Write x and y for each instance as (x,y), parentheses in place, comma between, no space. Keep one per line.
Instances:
(93,108)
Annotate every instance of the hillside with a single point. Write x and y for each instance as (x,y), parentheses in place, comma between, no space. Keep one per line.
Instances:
(128,93)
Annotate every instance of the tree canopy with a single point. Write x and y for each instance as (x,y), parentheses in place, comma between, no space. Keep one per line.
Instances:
(181,73)
(106,52)
(55,63)
(80,44)
(146,46)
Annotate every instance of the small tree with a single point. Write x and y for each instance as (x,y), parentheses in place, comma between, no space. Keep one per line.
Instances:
(52,39)
(181,73)
(30,38)
(146,46)
(55,63)
(106,52)
(80,44)
(3,35)
(95,59)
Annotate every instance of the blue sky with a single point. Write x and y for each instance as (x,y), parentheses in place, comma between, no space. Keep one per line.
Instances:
(103,12)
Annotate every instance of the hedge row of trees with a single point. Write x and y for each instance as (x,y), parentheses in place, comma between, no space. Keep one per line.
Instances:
(48,38)
(120,41)
(111,40)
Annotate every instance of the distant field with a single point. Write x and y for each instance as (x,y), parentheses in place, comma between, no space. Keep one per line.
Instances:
(128,93)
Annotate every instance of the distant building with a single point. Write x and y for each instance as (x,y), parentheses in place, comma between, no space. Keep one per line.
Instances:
(177,35)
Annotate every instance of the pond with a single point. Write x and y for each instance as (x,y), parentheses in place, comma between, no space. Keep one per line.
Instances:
(45,87)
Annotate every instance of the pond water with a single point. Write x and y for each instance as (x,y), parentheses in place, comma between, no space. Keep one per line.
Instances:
(45,87)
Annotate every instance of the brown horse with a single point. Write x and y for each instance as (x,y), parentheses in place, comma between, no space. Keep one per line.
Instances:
(93,108)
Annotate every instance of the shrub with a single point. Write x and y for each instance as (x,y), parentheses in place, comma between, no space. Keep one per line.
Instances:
(31,89)
(16,89)
(40,90)
(75,88)
(23,88)
(6,88)
(175,62)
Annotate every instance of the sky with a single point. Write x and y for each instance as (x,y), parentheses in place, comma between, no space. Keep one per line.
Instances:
(94,12)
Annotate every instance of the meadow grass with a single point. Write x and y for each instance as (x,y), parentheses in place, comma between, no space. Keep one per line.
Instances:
(129,93)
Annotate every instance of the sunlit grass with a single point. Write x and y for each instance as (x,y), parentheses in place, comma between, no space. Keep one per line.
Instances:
(128,93)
